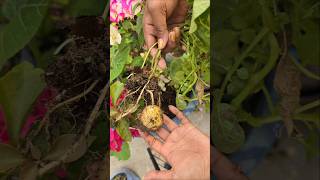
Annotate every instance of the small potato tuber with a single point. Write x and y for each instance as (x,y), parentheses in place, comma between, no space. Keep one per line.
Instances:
(151,117)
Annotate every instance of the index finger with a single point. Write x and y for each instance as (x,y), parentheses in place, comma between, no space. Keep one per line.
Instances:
(179,115)
(148,29)
(152,141)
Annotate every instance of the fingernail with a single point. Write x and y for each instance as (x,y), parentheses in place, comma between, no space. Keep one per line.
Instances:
(176,29)
(160,44)
(177,32)
(172,36)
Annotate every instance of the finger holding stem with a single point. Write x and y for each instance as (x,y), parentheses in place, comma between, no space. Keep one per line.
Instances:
(147,55)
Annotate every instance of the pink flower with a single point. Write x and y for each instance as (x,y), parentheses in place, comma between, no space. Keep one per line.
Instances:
(39,110)
(115,141)
(121,9)
(120,99)
(4,137)
(134,132)
(61,173)
(37,113)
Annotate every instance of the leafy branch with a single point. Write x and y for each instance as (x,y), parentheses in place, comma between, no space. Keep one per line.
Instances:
(264,31)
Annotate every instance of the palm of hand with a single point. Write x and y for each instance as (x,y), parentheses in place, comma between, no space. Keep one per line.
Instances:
(185,148)
(183,151)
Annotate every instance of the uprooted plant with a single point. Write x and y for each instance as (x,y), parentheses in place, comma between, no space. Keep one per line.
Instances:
(64,130)
(140,92)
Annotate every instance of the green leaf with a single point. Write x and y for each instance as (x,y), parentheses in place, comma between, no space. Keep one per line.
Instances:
(11,7)
(226,44)
(86,8)
(19,89)
(127,25)
(306,39)
(115,90)
(123,130)
(205,73)
(268,17)
(137,61)
(180,102)
(228,136)
(243,73)
(199,7)
(235,86)
(222,11)
(22,27)
(179,76)
(124,154)
(10,157)
(29,171)
(118,62)
(65,142)
(247,35)
(238,22)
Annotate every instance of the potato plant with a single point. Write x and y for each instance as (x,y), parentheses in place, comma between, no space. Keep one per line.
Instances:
(140,92)
(266,49)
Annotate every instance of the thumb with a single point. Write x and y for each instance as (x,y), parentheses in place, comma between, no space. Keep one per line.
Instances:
(158,13)
(156,175)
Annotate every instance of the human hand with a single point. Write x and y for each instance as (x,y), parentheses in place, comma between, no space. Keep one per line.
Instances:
(185,148)
(160,16)
(223,168)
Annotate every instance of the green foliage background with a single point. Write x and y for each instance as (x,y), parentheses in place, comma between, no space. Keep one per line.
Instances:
(250,39)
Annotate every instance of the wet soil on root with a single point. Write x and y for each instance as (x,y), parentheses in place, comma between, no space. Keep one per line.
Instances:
(139,79)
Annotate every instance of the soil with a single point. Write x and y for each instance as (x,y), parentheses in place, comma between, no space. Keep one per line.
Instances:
(139,79)
(84,61)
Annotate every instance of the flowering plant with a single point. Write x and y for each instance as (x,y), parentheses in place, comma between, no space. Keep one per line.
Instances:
(37,113)
(121,9)
(123,13)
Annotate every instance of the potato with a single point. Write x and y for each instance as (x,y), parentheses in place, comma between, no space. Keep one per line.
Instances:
(151,117)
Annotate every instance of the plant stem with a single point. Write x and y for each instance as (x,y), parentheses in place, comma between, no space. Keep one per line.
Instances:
(135,105)
(268,98)
(186,79)
(133,108)
(194,99)
(147,55)
(155,63)
(151,96)
(46,117)
(191,85)
(304,71)
(239,60)
(259,76)
(308,106)
(298,115)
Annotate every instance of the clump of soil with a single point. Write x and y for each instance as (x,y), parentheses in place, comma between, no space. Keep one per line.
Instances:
(84,61)
(139,79)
